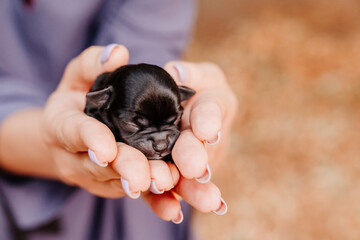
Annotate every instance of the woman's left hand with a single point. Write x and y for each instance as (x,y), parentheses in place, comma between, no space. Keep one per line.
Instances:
(203,142)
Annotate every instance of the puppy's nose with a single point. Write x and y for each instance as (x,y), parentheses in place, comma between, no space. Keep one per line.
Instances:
(160,145)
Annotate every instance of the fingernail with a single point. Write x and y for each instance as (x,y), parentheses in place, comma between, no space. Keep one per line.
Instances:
(216,141)
(207,175)
(105,54)
(94,159)
(179,219)
(154,189)
(222,209)
(183,77)
(125,185)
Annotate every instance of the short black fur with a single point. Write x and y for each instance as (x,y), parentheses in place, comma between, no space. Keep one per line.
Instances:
(141,106)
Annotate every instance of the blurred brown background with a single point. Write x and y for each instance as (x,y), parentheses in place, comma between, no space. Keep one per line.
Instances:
(293,171)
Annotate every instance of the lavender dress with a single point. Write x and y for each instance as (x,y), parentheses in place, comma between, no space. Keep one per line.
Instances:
(37,39)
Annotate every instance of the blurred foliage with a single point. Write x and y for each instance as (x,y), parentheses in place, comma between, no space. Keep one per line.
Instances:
(294,165)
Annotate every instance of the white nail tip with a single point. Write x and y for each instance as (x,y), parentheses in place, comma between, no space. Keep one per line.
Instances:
(94,159)
(182,72)
(125,185)
(217,140)
(179,219)
(222,209)
(154,189)
(207,175)
(106,52)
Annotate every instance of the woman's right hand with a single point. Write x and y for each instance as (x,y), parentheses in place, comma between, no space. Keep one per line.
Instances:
(80,146)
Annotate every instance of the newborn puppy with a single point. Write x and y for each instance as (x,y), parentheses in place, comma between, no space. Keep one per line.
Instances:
(141,106)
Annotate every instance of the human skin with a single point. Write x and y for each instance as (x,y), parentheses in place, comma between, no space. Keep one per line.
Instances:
(52,142)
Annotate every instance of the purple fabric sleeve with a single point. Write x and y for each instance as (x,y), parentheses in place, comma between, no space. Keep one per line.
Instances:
(36,43)
(33,202)
(154,31)
(4,223)
(14,98)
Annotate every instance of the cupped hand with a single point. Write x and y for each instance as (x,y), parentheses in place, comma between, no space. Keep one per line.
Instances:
(203,140)
(86,154)
(83,149)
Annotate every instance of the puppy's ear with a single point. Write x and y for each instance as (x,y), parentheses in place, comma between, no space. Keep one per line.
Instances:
(186,93)
(100,98)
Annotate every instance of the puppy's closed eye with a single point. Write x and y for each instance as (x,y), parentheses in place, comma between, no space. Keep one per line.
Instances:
(129,128)
(141,121)
(171,120)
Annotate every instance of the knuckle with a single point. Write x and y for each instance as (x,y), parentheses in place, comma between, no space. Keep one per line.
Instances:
(62,129)
(116,186)
(91,169)
(59,133)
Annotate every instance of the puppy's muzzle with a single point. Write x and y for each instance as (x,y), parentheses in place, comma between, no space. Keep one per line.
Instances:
(160,146)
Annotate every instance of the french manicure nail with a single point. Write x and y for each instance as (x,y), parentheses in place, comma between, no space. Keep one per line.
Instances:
(207,175)
(216,141)
(154,189)
(94,159)
(183,77)
(105,54)
(125,185)
(222,209)
(179,219)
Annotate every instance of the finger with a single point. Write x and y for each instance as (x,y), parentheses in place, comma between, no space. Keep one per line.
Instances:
(206,117)
(133,168)
(100,174)
(108,189)
(207,109)
(165,206)
(77,132)
(174,172)
(191,162)
(78,170)
(82,71)
(198,76)
(161,177)
(204,197)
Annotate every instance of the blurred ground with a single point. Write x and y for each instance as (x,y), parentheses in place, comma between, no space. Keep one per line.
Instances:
(293,171)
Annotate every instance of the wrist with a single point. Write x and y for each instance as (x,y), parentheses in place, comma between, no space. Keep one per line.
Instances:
(22,149)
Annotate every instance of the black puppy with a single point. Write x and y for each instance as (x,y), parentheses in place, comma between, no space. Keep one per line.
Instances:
(141,106)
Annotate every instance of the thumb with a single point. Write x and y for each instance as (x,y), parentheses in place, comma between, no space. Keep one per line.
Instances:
(82,71)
